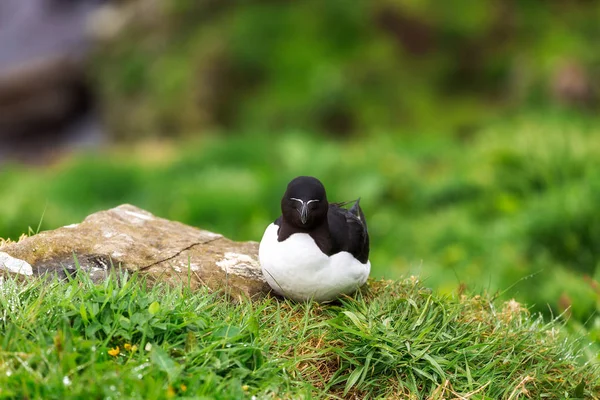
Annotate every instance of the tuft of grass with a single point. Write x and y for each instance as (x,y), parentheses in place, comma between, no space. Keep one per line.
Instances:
(395,340)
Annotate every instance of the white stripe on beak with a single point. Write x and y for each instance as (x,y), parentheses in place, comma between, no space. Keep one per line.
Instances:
(303,211)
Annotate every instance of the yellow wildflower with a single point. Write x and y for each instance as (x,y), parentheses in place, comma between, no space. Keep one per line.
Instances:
(170,392)
(114,352)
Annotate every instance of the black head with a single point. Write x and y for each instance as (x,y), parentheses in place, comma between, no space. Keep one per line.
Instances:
(304,203)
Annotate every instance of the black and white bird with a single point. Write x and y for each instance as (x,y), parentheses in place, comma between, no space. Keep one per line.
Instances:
(315,249)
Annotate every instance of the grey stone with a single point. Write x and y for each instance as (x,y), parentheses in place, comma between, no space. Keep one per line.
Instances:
(134,239)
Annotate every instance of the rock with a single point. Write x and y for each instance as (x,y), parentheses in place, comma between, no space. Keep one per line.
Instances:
(40,92)
(137,241)
(45,95)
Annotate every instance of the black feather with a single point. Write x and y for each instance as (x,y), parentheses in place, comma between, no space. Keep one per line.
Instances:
(332,227)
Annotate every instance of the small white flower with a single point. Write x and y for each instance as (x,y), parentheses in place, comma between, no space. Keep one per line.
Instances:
(66,380)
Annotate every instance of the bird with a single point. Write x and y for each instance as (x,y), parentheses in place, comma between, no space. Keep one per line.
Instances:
(315,250)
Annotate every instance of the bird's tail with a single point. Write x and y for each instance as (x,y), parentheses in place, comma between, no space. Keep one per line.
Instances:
(355,210)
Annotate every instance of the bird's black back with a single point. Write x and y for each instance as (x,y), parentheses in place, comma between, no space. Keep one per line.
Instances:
(348,230)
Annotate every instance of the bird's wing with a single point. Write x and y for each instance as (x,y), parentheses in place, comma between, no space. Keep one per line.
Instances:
(349,230)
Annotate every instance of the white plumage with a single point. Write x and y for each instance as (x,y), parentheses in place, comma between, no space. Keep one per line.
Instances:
(297,268)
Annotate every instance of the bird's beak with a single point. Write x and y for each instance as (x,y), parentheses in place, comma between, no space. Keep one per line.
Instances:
(304,213)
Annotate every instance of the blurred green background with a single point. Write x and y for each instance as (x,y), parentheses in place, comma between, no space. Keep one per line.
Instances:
(469,129)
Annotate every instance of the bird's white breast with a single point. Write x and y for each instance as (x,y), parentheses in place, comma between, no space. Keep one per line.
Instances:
(298,269)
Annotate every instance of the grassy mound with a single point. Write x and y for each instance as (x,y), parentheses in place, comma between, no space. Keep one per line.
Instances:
(395,340)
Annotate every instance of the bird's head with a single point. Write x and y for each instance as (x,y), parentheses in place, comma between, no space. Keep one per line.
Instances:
(304,203)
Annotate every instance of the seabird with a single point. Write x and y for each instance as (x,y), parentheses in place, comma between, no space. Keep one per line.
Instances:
(315,250)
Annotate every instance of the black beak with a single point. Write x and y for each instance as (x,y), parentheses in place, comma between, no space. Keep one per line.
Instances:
(303,213)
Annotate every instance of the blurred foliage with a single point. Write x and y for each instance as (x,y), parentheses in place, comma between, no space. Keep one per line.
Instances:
(512,209)
(344,67)
(410,94)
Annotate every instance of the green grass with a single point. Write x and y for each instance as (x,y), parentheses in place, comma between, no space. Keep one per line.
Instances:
(510,210)
(396,340)
(512,207)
